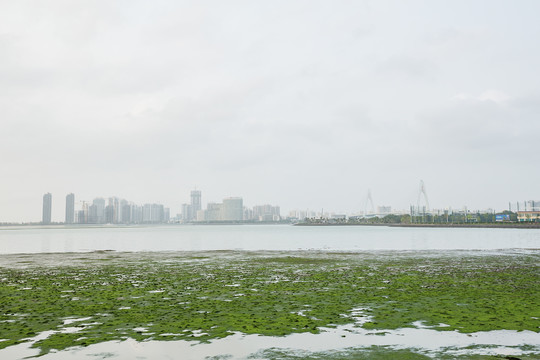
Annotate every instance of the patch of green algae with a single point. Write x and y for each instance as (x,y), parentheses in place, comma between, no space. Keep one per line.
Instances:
(374,353)
(172,296)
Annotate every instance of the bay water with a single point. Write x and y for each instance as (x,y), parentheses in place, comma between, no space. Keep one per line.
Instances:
(58,239)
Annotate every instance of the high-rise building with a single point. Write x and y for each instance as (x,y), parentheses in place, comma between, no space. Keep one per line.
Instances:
(47,208)
(80,217)
(186,212)
(114,211)
(201,215)
(126,212)
(83,215)
(232,209)
(166,215)
(213,212)
(70,208)
(266,213)
(136,214)
(153,213)
(196,203)
(92,214)
(97,211)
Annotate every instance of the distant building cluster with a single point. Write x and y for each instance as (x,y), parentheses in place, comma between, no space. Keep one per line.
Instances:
(114,210)
(265,213)
(231,209)
(301,215)
(110,211)
(120,211)
(305,214)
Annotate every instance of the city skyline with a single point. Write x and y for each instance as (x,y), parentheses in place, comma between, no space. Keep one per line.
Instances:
(115,210)
(121,211)
(302,104)
(58,213)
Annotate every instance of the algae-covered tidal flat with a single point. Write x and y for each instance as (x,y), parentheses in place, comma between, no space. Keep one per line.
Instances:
(53,302)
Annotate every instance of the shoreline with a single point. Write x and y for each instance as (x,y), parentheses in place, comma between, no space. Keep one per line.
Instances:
(449,225)
(118,226)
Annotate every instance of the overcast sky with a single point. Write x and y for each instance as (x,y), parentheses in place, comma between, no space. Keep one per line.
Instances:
(302,104)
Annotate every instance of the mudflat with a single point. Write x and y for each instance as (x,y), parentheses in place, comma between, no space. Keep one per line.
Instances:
(53,302)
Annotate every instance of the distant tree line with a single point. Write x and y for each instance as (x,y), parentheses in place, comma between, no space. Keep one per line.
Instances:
(445,218)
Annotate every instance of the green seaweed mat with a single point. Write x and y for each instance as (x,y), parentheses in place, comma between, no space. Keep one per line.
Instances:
(167,296)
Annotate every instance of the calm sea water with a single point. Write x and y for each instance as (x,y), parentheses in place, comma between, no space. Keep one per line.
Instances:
(258,237)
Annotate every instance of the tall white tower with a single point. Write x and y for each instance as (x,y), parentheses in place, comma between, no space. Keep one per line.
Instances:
(70,208)
(422,191)
(196,203)
(47,208)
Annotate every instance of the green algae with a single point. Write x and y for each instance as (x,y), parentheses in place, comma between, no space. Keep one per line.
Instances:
(375,353)
(176,297)
(372,353)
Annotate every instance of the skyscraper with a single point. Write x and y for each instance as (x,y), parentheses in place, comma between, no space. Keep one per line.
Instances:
(213,212)
(232,209)
(186,212)
(196,203)
(47,208)
(266,213)
(153,213)
(97,211)
(70,208)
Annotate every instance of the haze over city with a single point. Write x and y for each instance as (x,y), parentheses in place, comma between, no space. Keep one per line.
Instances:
(302,104)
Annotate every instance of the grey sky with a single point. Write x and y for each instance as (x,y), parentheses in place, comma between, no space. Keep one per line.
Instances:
(303,104)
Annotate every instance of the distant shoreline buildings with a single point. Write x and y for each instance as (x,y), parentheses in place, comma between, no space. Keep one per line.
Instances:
(232,210)
(111,211)
(120,211)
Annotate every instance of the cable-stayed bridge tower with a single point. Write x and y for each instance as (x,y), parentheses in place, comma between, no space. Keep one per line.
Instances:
(422,191)
(419,210)
(369,200)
